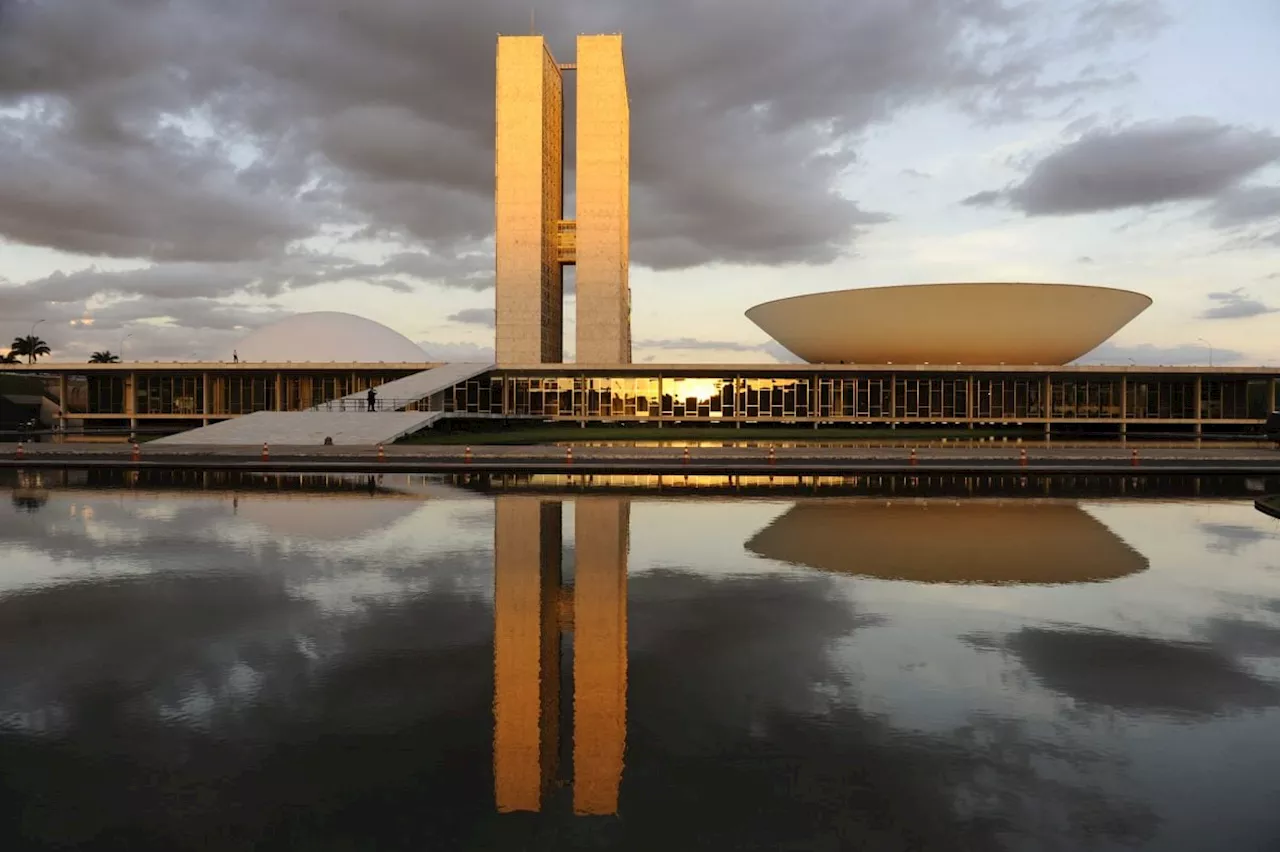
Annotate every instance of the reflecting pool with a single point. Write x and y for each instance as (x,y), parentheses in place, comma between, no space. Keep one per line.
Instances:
(234,661)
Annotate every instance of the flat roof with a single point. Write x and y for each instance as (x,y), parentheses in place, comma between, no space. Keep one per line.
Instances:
(674,370)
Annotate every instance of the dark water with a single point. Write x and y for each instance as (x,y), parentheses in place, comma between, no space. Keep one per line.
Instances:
(279,663)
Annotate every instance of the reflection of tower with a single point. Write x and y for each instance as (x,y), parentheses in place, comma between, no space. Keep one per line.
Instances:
(528,605)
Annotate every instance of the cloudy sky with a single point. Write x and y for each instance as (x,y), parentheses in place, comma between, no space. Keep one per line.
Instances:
(174,173)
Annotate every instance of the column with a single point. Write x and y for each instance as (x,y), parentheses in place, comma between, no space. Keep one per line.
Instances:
(526,650)
(62,406)
(206,403)
(599,652)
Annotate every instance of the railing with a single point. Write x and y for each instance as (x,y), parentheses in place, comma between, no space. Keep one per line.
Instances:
(379,405)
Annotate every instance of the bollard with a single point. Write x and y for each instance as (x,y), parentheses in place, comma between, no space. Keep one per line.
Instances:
(1133,459)
(568,455)
(136,454)
(266,452)
(1022,457)
(773,458)
(912,460)
(382,454)
(466,456)
(20,452)
(686,455)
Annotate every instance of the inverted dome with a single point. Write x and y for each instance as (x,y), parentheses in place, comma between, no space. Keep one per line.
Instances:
(942,541)
(997,323)
(325,336)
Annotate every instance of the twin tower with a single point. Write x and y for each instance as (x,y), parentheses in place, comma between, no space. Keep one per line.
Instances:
(533,239)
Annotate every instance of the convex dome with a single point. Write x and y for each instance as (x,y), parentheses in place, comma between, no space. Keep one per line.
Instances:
(326,336)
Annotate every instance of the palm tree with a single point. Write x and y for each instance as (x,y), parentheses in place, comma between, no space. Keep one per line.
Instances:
(106,356)
(30,346)
(10,357)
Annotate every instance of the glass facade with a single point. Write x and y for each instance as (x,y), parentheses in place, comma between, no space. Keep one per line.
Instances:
(789,395)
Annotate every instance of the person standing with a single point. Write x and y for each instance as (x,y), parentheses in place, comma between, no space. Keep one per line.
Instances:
(373,398)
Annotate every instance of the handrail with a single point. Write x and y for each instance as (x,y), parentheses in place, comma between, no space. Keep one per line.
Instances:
(380,404)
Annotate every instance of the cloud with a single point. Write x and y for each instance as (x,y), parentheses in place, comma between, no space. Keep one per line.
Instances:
(457,352)
(1142,165)
(211,131)
(475,316)
(1245,206)
(689,344)
(1153,355)
(1234,304)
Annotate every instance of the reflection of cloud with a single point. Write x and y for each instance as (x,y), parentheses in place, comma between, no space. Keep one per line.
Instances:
(1138,673)
(1232,538)
(749,736)
(1242,638)
(971,541)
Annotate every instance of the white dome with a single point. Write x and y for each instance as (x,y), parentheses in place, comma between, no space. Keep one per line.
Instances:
(326,336)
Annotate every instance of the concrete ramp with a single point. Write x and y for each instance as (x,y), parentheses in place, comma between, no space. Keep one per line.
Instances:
(306,428)
(398,393)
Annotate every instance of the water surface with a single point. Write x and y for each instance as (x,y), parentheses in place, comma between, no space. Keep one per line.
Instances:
(253,662)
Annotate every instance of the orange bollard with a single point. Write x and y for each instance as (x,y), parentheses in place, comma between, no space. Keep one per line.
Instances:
(568,455)
(912,460)
(466,456)
(1022,457)
(266,452)
(773,458)
(1133,459)
(686,455)
(382,454)
(136,455)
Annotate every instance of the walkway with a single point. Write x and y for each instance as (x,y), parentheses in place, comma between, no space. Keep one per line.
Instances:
(345,420)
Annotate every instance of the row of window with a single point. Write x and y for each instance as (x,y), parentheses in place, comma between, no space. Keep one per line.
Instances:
(873,398)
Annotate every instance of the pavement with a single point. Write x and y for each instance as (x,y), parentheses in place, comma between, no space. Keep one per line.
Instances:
(739,460)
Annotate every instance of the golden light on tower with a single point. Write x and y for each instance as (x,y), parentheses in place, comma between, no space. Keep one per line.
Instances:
(533,240)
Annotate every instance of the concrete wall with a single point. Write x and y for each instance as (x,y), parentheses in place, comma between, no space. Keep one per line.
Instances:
(529,195)
(603,203)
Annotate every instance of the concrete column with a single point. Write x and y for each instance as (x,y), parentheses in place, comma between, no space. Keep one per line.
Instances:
(62,406)
(207,403)
(1199,392)
(131,400)
(1048,404)
(1124,408)
(969,396)
(526,650)
(599,652)
(279,392)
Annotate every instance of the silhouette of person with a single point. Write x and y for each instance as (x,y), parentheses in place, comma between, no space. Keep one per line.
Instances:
(373,398)
(235,357)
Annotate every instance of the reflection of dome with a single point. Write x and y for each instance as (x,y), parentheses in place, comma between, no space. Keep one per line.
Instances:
(329,336)
(949,323)
(944,542)
(341,518)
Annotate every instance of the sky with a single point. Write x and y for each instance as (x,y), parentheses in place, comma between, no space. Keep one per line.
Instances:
(176,173)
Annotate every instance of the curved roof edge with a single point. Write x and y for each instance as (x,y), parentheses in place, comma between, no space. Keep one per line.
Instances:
(930,284)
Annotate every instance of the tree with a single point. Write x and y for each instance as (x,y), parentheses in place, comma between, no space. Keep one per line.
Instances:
(106,356)
(31,347)
(10,357)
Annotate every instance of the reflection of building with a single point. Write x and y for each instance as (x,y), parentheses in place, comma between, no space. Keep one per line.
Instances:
(533,240)
(531,609)
(943,541)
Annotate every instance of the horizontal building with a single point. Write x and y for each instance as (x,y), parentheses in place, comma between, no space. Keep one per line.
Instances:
(171,397)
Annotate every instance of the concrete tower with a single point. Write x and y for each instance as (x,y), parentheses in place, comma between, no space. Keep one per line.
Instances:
(533,241)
